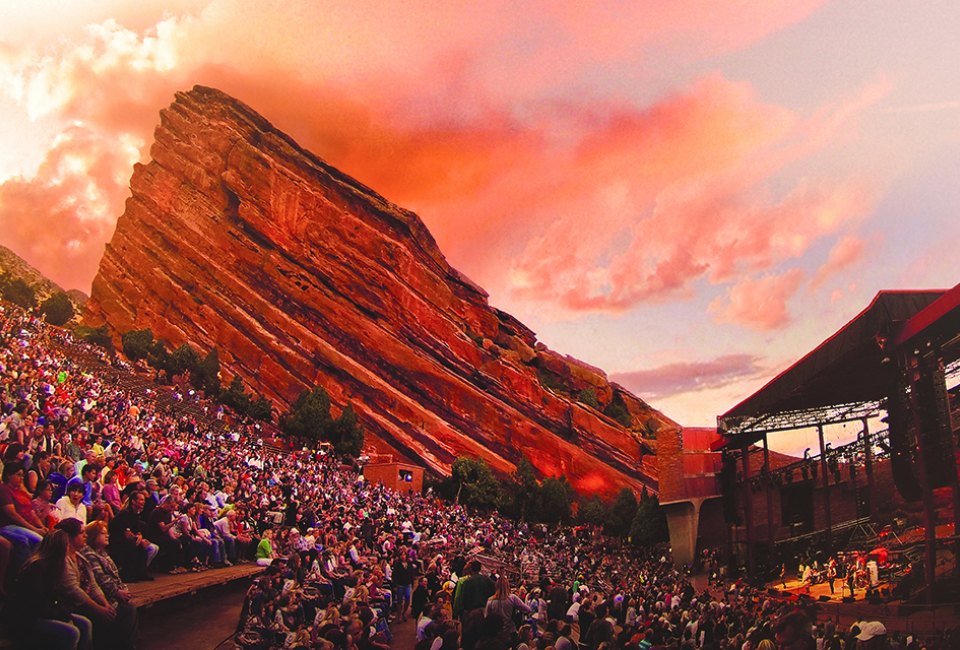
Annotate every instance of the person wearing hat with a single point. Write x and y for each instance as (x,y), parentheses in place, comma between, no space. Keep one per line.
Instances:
(872,636)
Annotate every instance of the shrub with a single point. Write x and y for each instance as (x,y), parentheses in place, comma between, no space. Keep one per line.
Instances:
(552,381)
(617,410)
(588,396)
(57,309)
(94,336)
(137,344)
(18,292)
(261,409)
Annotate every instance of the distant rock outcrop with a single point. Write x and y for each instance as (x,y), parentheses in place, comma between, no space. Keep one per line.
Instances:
(15,267)
(237,238)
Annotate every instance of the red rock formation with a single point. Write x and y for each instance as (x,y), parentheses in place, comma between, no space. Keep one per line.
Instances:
(236,238)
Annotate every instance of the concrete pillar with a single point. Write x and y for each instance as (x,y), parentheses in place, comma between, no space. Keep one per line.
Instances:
(683,518)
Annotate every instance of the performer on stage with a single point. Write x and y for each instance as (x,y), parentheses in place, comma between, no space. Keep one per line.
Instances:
(831,573)
(783,574)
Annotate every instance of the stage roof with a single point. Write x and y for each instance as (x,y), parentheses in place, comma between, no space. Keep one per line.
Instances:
(844,370)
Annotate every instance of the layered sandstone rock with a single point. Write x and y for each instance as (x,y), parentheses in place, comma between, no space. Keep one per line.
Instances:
(236,238)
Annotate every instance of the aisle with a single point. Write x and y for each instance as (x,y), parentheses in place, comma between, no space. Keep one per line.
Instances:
(201,622)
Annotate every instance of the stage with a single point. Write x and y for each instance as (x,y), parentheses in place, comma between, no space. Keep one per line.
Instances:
(821,591)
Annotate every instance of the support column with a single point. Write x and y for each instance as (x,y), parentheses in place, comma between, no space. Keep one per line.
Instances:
(912,370)
(769,490)
(748,513)
(868,465)
(826,489)
(683,518)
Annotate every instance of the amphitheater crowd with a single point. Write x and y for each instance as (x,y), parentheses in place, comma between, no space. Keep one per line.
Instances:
(103,487)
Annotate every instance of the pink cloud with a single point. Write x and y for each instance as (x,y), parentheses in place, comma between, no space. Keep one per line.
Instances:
(595,205)
(759,304)
(59,220)
(846,252)
(690,182)
(683,377)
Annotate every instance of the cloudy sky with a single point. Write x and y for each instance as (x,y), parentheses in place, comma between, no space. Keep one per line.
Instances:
(689,195)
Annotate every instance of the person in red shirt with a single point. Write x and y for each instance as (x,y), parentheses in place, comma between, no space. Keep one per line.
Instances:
(18,522)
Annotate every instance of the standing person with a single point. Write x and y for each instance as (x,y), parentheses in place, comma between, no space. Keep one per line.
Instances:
(851,578)
(403,575)
(418,602)
(472,590)
(831,574)
(505,604)
(783,575)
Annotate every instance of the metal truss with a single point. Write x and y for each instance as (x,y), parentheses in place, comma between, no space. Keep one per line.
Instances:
(799,419)
(849,457)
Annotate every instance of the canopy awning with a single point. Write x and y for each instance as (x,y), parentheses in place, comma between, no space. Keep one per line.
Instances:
(845,370)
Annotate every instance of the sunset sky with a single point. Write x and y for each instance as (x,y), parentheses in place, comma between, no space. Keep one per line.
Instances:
(689,195)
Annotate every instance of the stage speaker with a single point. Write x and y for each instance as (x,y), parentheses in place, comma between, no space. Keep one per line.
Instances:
(848,599)
(728,488)
(901,443)
(824,599)
(773,592)
(934,411)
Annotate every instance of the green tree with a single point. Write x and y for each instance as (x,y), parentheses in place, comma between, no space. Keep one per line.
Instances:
(476,484)
(18,292)
(205,375)
(593,511)
(649,525)
(94,336)
(525,488)
(556,497)
(309,416)
(622,513)
(184,359)
(588,396)
(159,357)
(261,409)
(235,397)
(137,344)
(345,433)
(57,309)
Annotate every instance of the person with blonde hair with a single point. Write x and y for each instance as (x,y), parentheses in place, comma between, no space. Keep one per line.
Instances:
(504,603)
